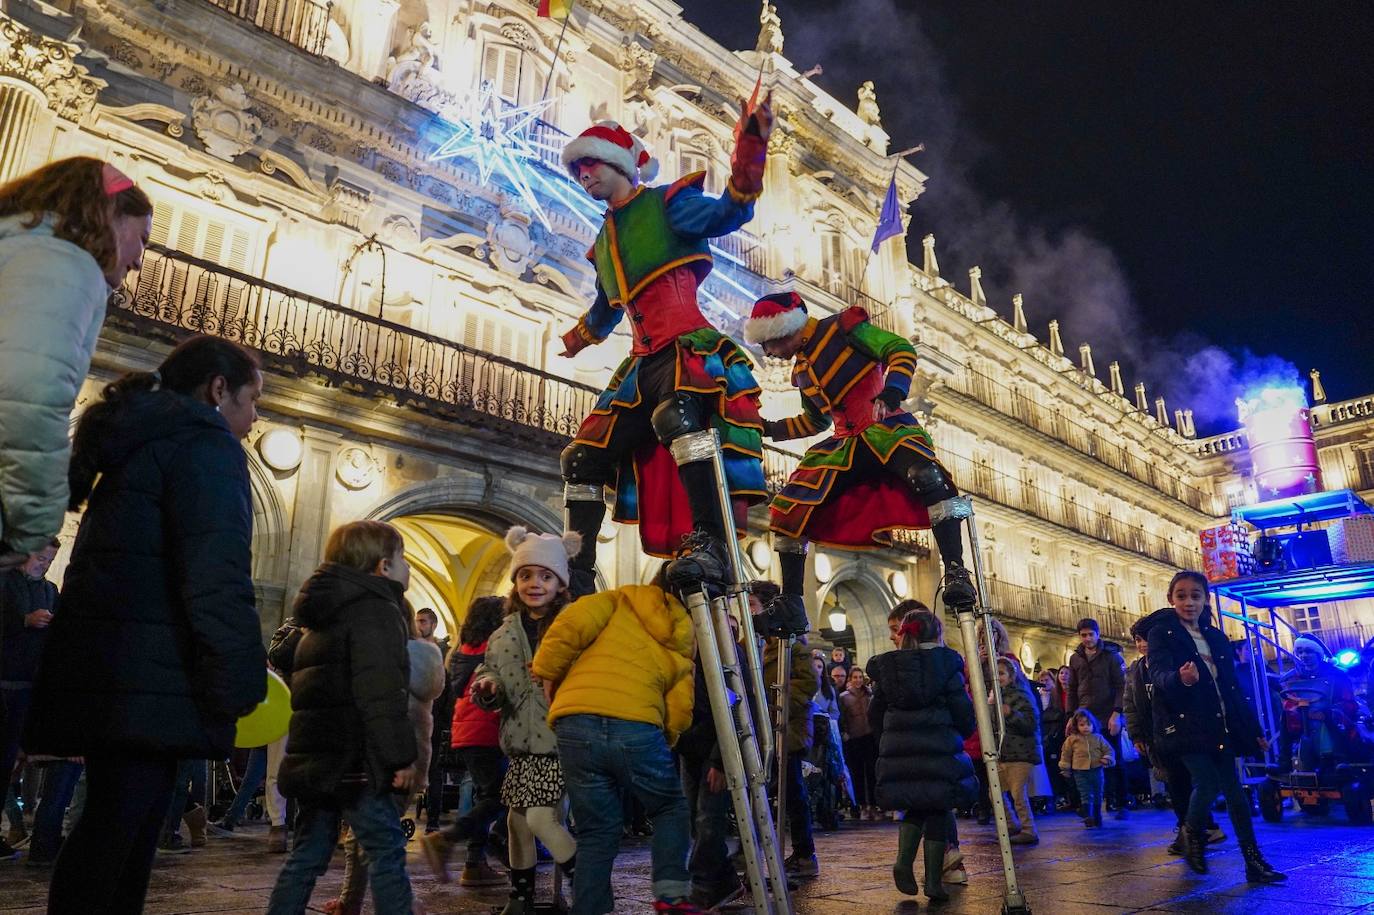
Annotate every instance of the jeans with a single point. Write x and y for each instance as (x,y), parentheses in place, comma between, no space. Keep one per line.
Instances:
(1115,776)
(709,863)
(1213,774)
(189,786)
(1089,783)
(601,756)
(487,767)
(798,808)
(59,784)
(377,827)
(252,778)
(103,866)
(1180,787)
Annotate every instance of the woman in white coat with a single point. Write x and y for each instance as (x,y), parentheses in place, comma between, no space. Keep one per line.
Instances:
(69,232)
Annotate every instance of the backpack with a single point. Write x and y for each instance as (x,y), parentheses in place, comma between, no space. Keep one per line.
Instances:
(281,650)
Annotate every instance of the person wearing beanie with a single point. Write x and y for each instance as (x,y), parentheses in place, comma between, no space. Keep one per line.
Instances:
(878,472)
(533,786)
(684,382)
(1320,710)
(618,668)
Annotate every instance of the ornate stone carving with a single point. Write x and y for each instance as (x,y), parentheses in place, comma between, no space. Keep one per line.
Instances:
(149,111)
(770,30)
(519,36)
(49,65)
(224,122)
(638,62)
(868,105)
(510,249)
(212,186)
(415,73)
(356,469)
(347,203)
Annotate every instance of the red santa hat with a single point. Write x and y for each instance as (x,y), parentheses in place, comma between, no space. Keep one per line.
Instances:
(607,141)
(775,316)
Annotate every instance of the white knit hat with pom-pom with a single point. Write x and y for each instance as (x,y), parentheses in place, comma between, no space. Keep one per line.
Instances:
(608,142)
(548,551)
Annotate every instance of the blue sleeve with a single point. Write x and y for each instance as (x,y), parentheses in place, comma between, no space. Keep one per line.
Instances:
(601,318)
(693,214)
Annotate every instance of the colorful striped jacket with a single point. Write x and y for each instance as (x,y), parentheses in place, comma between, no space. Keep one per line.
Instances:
(843,364)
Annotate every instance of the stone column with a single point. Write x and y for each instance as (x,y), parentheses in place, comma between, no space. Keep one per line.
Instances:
(310,516)
(20,104)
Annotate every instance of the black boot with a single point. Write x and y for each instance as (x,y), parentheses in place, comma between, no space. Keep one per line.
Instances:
(1258,870)
(1195,845)
(935,868)
(702,562)
(785,616)
(521,892)
(584,517)
(959,594)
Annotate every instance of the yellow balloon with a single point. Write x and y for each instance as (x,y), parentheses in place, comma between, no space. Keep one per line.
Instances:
(269,721)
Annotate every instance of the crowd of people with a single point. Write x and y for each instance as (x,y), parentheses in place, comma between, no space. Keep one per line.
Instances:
(116,705)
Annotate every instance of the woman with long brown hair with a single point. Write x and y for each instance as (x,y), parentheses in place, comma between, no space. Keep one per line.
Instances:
(69,232)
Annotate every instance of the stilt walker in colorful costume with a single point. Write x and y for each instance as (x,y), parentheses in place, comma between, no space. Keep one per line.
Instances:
(683,379)
(877,473)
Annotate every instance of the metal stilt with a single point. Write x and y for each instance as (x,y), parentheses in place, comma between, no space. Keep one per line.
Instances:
(738,711)
(782,703)
(1013,901)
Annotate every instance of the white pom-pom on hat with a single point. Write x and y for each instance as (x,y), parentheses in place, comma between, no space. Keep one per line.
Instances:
(607,141)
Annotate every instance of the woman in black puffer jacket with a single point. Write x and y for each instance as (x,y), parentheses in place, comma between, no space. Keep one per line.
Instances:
(921,715)
(158,649)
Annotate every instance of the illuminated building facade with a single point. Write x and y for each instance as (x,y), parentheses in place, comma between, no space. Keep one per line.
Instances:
(367,193)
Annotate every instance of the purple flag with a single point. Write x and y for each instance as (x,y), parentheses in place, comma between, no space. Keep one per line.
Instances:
(890,219)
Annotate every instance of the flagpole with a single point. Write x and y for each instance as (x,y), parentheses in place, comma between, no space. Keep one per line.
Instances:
(896,164)
(553,65)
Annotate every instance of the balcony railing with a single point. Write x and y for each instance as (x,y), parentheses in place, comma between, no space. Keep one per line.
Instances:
(980,479)
(1036,605)
(175,294)
(1025,410)
(304,23)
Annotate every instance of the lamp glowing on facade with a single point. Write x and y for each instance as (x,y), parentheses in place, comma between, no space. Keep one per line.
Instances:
(824,571)
(281,449)
(900,584)
(839,622)
(760,555)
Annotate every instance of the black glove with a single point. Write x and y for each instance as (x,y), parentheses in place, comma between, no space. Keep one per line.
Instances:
(891,398)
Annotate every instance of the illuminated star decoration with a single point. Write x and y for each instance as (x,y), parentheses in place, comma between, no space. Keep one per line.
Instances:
(497,137)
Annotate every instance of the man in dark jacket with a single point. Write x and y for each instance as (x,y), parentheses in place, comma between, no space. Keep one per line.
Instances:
(27,601)
(1097,682)
(351,740)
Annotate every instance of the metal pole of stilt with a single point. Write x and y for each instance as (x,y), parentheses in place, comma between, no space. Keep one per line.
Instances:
(784,711)
(1013,902)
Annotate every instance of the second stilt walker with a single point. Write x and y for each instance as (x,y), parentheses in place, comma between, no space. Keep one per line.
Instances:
(684,381)
(878,472)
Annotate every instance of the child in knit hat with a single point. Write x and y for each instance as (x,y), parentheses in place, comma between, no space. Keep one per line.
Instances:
(533,786)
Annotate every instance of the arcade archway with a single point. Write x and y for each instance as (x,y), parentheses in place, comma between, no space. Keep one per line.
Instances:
(452,560)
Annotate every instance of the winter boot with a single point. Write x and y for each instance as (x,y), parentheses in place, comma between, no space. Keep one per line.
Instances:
(1196,849)
(935,863)
(521,892)
(1258,870)
(903,869)
(195,821)
(1180,844)
(276,840)
(436,848)
(785,616)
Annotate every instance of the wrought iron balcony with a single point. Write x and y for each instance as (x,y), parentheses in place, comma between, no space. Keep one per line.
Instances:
(304,23)
(1036,605)
(175,295)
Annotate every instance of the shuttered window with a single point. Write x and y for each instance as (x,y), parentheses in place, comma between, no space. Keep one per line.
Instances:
(501,66)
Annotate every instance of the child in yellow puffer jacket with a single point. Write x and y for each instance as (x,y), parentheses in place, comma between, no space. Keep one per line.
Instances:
(618,668)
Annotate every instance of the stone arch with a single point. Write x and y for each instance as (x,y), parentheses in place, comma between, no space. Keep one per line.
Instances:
(270,531)
(471,495)
(870,626)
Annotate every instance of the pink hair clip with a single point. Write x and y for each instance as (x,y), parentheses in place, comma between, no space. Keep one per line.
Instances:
(114,180)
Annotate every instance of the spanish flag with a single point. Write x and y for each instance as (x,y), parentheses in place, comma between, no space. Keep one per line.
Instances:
(555,9)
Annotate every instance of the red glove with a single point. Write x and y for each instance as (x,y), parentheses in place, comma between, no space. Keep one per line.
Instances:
(751,149)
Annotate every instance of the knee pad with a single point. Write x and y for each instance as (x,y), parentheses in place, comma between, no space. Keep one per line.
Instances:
(930,482)
(586,465)
(679,415)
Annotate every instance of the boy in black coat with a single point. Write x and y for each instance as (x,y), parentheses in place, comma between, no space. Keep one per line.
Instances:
(351,743)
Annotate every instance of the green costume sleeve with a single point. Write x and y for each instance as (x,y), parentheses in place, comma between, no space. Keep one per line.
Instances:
(896,354)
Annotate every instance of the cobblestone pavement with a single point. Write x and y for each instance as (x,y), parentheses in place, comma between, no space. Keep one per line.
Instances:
(1123,867)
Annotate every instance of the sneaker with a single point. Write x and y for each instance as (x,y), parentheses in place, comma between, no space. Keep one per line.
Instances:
(481,874)
(802,866)
(953,858)
(956,875)
(1215,835)
(276,840)
(7,851)
(435,848)
(1025,837)
(173,844)
(223,829)
(677,907)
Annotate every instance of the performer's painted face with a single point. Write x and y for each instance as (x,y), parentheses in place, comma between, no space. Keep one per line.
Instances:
(601,181)
(783,347)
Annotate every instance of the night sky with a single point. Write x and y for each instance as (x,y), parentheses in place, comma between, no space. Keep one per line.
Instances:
(1188,187)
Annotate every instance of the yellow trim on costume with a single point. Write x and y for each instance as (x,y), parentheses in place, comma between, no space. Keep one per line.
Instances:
(634,293)
(837,365)
(740,196)
(613,243)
